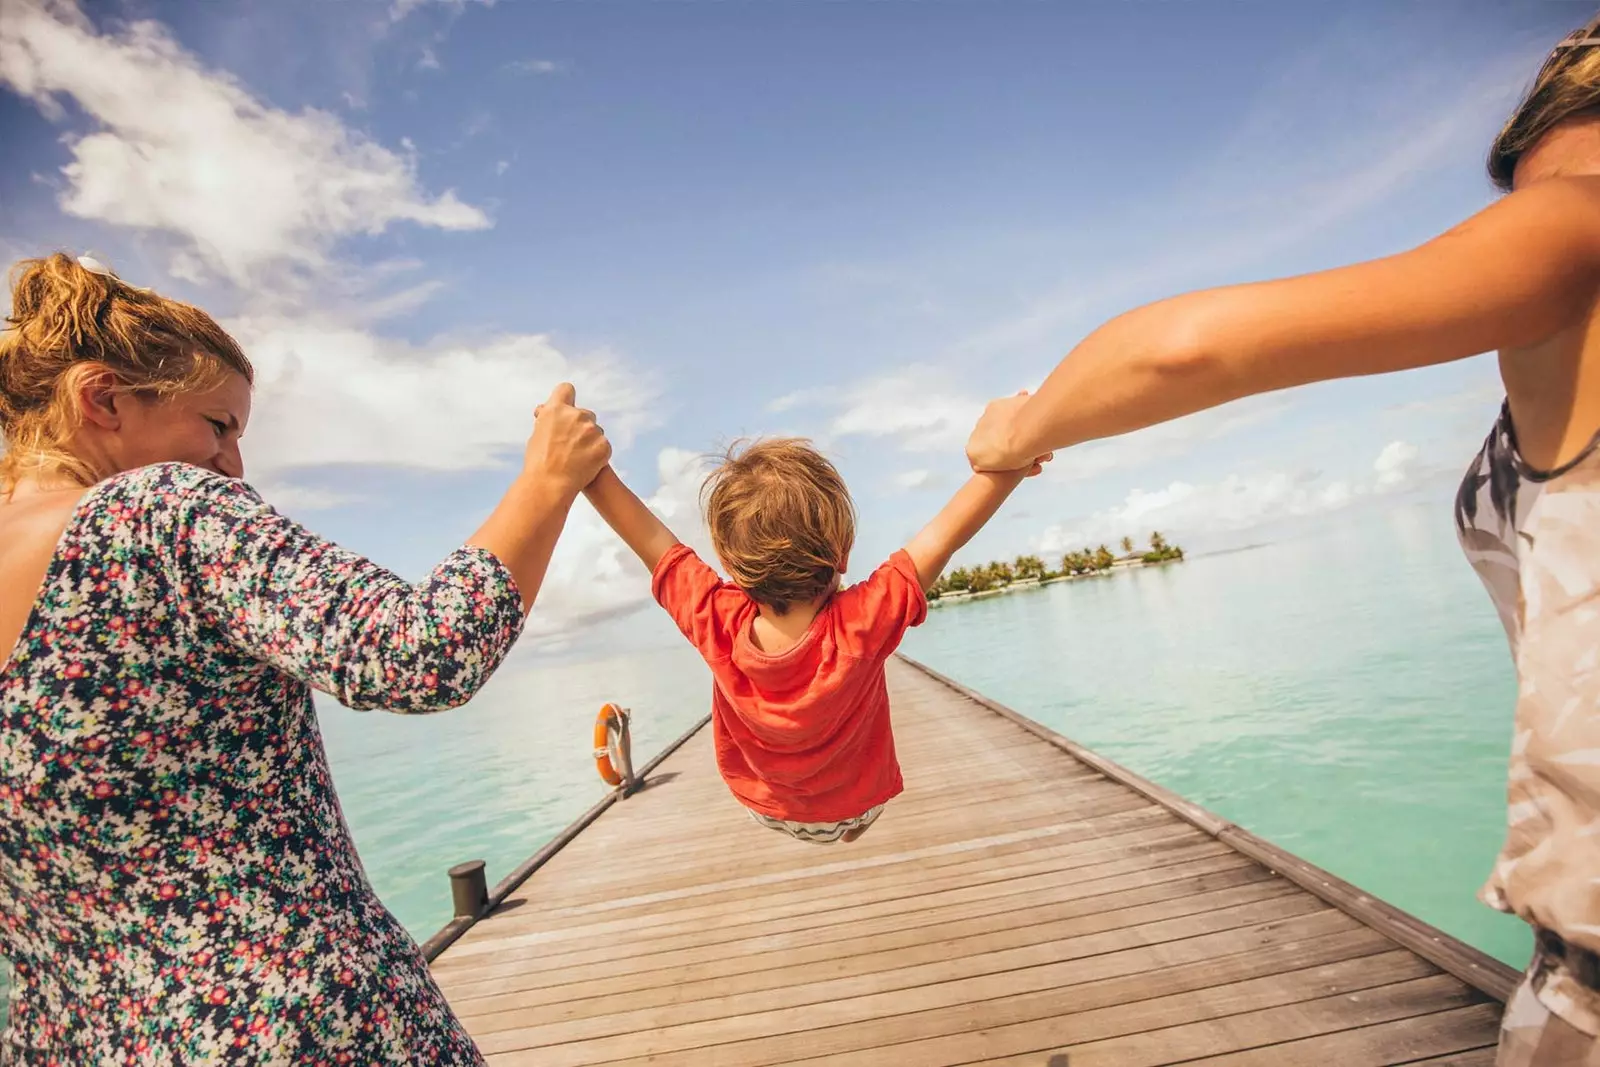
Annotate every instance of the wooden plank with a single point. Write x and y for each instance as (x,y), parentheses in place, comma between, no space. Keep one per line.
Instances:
(1084,858)
(520,968)
(1018,900)
(904,894)
(924,964)
(952,832)
(1043,906)
(1456,1037)
(1478,1057)
(1465,962)
(461,924)
(964,819)
(856,1026)
(610,989)
(691,881)
(1263,1028)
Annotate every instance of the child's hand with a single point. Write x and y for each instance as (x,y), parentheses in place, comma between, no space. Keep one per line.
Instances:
(991,448)
(1015,477)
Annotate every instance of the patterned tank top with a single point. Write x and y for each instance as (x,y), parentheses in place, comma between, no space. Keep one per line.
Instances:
(1534,539)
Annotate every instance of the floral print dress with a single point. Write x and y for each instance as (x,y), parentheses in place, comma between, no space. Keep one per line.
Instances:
(177,882)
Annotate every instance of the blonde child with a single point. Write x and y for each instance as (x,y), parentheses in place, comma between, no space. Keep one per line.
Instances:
(800,704)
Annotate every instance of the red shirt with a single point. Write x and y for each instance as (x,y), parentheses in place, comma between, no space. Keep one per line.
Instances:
(801,734)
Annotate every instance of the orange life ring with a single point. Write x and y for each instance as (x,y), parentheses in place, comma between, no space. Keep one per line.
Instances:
(611,745)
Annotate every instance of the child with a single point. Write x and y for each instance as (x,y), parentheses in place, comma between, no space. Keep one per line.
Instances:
(800,705)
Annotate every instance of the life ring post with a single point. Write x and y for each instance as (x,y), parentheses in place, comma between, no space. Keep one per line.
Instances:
(469,888)
(613,749)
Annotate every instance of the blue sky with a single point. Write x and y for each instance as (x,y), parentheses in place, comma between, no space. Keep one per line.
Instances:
(855,221)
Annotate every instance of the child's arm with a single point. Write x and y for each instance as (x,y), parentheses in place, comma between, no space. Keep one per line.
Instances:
(973,505)
(625,513)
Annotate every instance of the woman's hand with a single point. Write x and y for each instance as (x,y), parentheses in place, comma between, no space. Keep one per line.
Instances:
(568,447)
(566,451)
(992,446)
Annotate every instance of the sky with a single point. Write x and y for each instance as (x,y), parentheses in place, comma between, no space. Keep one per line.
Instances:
(852,221)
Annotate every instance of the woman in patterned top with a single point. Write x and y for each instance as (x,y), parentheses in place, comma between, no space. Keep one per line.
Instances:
(1521,278)
(177,883)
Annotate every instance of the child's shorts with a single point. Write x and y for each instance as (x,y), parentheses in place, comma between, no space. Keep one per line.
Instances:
(819,833)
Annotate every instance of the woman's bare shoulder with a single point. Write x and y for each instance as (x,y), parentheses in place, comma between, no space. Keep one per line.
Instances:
(31,527)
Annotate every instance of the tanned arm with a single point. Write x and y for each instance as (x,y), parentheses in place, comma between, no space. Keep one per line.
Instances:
(973,505)
(625,513)
(1511,276)
(566,448)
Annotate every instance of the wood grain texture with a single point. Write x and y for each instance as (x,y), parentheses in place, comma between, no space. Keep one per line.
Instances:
(1023,899)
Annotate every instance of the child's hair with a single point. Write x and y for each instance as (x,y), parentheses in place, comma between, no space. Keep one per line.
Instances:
(781,520)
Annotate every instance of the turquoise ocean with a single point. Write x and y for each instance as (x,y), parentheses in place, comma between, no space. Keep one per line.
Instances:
(1345,693)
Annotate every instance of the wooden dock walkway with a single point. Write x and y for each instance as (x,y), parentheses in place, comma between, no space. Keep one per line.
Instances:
(1024,902)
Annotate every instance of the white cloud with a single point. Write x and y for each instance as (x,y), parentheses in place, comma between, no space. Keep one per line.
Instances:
(911,405)
(1392,463)
(401,8)
(1164,441)
(1238,502)
(799,399)
(245,190)
(429,61)
(918,479)
(257,201)
(922,411)
(501,167)
(330,392)
(292,499)
(536,66)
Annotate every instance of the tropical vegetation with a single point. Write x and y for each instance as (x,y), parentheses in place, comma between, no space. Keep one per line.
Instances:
(1000,573)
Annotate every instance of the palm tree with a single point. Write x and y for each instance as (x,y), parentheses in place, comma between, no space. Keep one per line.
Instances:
(1103,559)
(1030,567)
(1127,546)
(1157,542)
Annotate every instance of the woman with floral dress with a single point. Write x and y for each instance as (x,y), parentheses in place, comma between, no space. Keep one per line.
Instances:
(177,883)
(1521,278)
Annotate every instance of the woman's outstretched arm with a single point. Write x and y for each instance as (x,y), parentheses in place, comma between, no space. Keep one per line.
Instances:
(241,579)
(564,454)
(1513,275)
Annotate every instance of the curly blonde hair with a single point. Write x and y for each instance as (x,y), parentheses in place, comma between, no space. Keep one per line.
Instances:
(781,520)
(69,322)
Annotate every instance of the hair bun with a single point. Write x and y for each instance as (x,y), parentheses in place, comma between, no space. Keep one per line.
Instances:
(72,315)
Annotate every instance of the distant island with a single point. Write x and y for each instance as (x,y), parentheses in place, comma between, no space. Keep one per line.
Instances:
(988,579)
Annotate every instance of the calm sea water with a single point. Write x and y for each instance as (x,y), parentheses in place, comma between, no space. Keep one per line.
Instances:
(1346,695)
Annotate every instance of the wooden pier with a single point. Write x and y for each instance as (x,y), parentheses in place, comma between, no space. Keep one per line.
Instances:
(1024,902)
